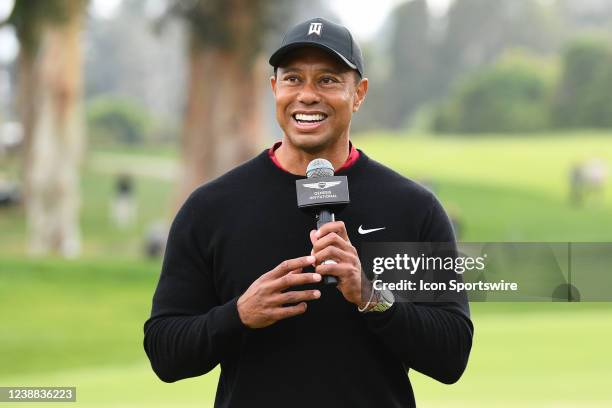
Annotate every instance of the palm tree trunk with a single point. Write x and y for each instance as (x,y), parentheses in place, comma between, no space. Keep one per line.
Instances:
(56,141)
(28,85)
(222,124)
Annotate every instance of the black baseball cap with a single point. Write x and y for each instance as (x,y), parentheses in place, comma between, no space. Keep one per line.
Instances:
(320,33)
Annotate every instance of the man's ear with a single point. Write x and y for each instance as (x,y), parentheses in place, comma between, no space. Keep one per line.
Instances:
(360,93)
(273,83)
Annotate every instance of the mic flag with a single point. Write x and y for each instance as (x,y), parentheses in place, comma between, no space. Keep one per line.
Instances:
(320,192)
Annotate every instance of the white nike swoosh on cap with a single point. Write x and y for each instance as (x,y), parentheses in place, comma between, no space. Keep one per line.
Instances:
(367,231)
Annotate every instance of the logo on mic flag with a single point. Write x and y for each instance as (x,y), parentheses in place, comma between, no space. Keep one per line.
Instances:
(322,185)
(325,191)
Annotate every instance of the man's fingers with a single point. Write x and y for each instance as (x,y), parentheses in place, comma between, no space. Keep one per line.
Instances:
(296,296)
(331,252)
(332,239)
(290,265)
(288,311)
(294,279)
(337,226)
(338,270)
(313,237)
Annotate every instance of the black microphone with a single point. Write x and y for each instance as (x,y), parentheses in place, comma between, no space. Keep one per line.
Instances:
(323,168)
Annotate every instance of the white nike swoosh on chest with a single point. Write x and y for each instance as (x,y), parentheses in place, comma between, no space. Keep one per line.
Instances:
(367,231)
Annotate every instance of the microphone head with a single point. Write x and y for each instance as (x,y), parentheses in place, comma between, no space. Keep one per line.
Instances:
(319,168)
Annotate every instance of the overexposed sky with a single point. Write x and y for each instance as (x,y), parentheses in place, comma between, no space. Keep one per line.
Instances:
(105,8)
(362,17)
(8,41)
(5,8)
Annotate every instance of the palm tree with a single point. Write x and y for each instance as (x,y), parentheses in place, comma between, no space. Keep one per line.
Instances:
(50,103)
(222,125)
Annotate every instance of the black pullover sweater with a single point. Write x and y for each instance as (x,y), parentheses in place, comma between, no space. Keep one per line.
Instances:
(243,224)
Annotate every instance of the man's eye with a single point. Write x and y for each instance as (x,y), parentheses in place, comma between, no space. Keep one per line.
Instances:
(291,79)
(328,80)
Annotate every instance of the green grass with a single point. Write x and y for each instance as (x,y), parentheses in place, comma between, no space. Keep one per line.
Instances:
(67,315)
(532,355)
(153,177)
(80,322)
(536,162)
(500,188)
(505,188)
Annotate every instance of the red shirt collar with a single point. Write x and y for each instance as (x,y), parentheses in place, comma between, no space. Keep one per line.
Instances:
(350,160)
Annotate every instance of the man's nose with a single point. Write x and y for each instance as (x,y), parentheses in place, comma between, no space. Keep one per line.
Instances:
(308,94)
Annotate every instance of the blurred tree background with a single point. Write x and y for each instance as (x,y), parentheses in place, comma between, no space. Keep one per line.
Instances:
(583,97)
(513,94)
(452,66)
(112,111)
(191,76)
(222,121)
(50,104)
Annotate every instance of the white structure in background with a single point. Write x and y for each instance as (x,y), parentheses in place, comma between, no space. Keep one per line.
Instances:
(156,239)
(123,205)
(11,136)
(588,178)
(595,172)
(595,175)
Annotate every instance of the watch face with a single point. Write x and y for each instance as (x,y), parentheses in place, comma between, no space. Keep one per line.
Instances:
(381,307)
(386,296)
(385,301)
(382,300)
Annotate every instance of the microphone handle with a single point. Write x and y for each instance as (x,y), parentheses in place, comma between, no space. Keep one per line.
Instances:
(323,217)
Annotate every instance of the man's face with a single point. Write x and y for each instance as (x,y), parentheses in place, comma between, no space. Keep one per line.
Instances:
(315,96)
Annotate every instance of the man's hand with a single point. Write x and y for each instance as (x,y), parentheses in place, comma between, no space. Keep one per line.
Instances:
(262,303)
(331,242)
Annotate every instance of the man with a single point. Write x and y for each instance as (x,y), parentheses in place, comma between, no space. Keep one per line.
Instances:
(236,288)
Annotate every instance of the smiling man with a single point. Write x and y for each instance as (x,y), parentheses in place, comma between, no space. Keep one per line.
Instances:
(316,95)
(238,288)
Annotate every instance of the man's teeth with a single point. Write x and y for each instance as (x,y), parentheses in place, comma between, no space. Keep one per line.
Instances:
(302,117)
